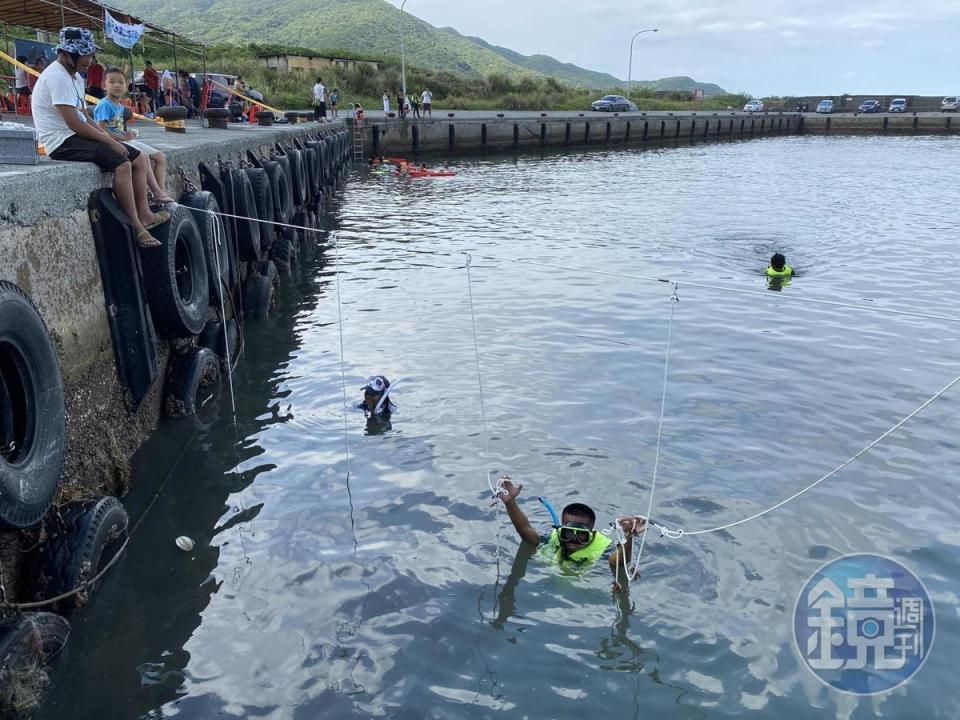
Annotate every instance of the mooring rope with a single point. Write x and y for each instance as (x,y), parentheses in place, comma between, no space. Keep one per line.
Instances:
(334,240)
(674,300)
(680,532)
(218,241)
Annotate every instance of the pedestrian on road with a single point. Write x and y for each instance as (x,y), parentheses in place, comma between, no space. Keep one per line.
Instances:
(415,104)
(386,104)
(334,96)
(427,98)
(319,102)
(400,107)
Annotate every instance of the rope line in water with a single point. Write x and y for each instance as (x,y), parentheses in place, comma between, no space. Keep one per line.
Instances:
(334,240)
(674,300)
(724,288)
(680,532)
(483,412)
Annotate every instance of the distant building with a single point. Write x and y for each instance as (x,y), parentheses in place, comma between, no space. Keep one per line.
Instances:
(286,63)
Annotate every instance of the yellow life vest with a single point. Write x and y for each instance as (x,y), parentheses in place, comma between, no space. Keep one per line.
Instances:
(582,559)
(786,272)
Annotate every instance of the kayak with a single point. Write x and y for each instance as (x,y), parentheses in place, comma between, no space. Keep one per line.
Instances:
(426,173)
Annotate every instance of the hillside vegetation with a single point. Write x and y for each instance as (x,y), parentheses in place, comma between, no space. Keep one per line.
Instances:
(369,28)
(498,91)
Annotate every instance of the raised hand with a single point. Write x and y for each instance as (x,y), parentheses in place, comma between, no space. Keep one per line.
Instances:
(508,491)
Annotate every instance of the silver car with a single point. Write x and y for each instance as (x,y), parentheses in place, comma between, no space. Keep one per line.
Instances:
(950,104)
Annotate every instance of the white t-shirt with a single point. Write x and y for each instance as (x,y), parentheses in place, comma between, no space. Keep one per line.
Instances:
(427,97)
(55,86)
(319,93)
(21,80)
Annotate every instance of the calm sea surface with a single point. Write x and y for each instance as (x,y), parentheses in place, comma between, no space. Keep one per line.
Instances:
(400,592)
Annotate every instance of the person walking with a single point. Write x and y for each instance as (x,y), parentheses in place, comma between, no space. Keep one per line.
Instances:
(334,96)
(152,80)
(386,103)
(427,98)
(319,101)
(400,104)
(415,104)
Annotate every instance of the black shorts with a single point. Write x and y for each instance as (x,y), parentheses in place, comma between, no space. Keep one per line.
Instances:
(81,149)
(322,109)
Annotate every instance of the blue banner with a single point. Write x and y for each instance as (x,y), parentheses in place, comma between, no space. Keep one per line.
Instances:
(126,36)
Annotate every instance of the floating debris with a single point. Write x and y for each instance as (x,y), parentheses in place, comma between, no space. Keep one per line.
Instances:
(184,543)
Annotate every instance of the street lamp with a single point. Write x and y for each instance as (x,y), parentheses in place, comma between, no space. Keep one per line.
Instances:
(630,71)
(403,62)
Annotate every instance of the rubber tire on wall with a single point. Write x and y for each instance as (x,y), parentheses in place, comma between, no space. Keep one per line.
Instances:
(212,339)
(317,147)
(312,167)
(199,202)
(172,313)
(285,251)
(27,642)
(279,184)
(263,197)
(284,161)
(257,297)
(92,533)
(31,412)
(301,220)
(298,184)
(245,205)
(189,380)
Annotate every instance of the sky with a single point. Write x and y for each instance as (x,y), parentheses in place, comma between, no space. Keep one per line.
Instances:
(762,47)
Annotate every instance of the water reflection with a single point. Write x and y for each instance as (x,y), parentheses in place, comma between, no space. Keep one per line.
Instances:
(386,592)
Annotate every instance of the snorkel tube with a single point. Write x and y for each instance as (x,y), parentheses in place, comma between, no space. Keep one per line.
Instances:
(383,397)
(549,507)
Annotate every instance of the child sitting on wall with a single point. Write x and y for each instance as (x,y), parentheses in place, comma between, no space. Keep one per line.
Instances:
(109,114)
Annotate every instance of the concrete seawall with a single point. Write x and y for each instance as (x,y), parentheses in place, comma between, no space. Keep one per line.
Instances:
(47,248)
(531,131)
(477,133)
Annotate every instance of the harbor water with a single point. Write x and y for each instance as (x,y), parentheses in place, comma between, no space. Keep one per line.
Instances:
(351,567)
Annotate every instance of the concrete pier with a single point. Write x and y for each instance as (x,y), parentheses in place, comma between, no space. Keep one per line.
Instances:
(47,248)
(475,132)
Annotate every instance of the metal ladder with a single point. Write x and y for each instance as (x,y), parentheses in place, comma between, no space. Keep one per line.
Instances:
(357,141)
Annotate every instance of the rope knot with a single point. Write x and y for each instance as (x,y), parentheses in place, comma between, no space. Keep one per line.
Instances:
(667,532)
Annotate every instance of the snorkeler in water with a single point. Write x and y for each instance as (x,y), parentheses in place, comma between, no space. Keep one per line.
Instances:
(573,542)
(376,397)
(778,267)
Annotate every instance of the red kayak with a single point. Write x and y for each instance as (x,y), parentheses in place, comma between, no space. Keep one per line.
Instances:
(427,173)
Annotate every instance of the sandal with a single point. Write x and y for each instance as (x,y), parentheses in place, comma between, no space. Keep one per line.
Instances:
(146,240)
(165,200)
(159,218)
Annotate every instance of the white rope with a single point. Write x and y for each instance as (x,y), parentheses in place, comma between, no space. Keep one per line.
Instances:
(494,492)
(218,241)
(680,532)
(722,288)
(334,240)
(674,300)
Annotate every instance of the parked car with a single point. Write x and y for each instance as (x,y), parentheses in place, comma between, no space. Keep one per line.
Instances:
(753,106)
(825,106)
(950,104)
(870,106)
(613,103)
(898,105)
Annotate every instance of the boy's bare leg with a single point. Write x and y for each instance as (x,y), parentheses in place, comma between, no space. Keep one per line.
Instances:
(140,169)
(159,163)
(123,190)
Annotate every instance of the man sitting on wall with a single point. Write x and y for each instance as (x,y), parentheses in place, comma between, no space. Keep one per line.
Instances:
(68,132)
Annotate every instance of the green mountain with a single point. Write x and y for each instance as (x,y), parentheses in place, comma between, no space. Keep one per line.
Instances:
(369,27)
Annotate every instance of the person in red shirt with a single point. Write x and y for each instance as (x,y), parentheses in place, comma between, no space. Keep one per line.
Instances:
(152,81)
(95,79)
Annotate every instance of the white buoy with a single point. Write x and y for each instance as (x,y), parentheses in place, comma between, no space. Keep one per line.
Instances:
(184,543)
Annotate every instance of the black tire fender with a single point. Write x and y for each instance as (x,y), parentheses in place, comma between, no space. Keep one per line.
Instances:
(212,339)
(27,643)
(285,251)
(175,275)
(90,535)
(303,227)
(245,206)
(257,297)
(279,184)
(298,178)
(318,168)
(284,161)
(32,414)
(311,166)
(192,379)
(216,254)
(263,198)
